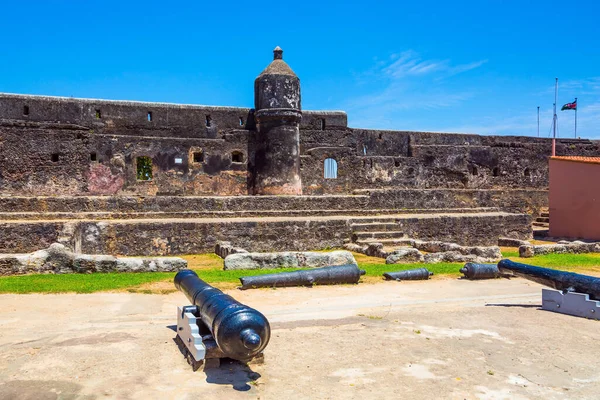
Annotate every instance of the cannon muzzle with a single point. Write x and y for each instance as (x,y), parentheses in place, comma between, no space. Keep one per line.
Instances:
(348,273)
(240,331)
(560,280)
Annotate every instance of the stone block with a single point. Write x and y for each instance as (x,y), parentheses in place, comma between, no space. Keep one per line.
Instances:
(526,251)
(576,247)
(357,248)
(88,263)
(287,260)
(404,255)
(456,257)
(511,242)
(223,249)
(376,250)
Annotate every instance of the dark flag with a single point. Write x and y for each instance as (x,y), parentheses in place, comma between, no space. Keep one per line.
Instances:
(570,106)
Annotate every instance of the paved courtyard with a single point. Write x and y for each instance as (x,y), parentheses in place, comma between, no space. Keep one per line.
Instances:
(441,339)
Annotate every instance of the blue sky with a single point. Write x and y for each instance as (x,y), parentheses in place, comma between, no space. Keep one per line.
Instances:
(462,66)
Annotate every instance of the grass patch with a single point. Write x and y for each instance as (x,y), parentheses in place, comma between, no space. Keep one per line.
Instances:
(210,268)
(582,263)
(78,283)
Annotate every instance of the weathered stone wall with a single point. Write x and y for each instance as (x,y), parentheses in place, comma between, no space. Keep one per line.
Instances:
(384,159)
(180,236)
(83,146)
(374,200)
(62,146)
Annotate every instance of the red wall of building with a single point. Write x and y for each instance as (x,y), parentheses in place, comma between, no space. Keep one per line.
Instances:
(574,199)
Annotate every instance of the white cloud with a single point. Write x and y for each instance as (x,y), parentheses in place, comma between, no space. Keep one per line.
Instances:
(409,63)
(400,91)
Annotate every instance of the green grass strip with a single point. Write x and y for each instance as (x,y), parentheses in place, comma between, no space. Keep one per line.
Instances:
(89,283)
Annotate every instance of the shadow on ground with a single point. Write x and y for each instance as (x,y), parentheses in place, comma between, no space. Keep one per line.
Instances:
(515,305)
(232,372)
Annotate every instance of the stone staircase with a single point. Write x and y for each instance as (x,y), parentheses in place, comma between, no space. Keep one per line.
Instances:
(385,231)
(543,221)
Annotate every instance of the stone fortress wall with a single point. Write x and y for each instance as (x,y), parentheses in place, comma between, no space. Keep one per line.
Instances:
(64,146)
(70,172)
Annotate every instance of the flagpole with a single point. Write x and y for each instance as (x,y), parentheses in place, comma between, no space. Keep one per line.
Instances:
(554,119)
(575,117)
(538,121)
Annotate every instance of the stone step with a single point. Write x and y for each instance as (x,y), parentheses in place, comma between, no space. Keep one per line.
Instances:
(386,242)
(374,226)
(545,214)
(112,215)
(542,219)
(377,235)
(540,224)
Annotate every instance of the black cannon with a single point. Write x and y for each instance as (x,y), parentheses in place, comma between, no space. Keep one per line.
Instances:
(348,273)
(560,280)
(408,275)
(480,271)
(240,332)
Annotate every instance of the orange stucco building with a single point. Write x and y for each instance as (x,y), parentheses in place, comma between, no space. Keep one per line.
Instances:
(575,197)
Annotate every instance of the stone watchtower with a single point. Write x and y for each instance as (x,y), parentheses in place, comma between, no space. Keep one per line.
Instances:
(278,114)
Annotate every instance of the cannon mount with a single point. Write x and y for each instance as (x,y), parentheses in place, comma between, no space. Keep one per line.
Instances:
(570,303)
(196,342)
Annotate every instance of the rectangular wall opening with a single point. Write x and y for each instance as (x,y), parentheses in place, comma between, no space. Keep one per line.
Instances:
(144,168)
(25,110)
(93,157)
(198,157)
(54,157)
(98,114)
(149,116)
(208,121)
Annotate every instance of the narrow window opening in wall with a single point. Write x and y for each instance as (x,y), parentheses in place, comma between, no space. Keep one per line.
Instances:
(396,163)
(380,136)
(54,157)
(237,156)
(322,124)
(149,116)
(474,170)
(25,110)
(364,163)
(241,121)
(198,157)
(144,168)
(411,171)
(527,173)
(364,150)
(496,171)
(98,114)
(330,168)
(93,157)
(208,121)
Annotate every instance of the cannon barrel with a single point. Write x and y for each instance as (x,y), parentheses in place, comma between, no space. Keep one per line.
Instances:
(240,331)
(408,275)
(480,271)
(348,273)
(560,280)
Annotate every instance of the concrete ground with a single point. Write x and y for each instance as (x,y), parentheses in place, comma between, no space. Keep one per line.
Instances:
(441,339)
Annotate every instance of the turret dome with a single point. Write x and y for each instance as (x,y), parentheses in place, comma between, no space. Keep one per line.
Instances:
(277,86)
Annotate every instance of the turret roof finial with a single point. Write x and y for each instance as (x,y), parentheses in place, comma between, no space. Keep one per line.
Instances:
(277,53)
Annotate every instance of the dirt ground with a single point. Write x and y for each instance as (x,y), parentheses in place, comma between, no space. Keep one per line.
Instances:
(441,339)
